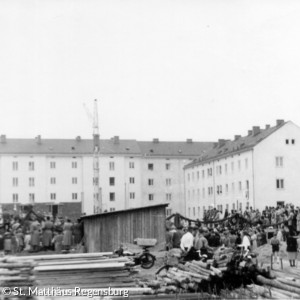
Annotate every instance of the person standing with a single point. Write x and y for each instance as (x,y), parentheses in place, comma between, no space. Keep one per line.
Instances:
(254,240)
(47,233)
(35,235)
(177,237)
(298,221)
(275,243)
(291,248)
(67,240)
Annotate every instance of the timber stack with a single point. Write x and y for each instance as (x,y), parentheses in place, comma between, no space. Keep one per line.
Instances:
(15,273)
(86,270)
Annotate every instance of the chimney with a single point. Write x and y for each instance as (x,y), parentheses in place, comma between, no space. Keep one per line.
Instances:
(3,138)
(249,132)
(189,141)
(156,141)
(236,137)
(38,140)
(279,122)
(255,130)
(221,142)
(78,138)
(116,139)
(267,126)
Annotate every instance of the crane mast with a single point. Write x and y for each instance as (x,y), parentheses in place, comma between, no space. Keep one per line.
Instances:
(96,166)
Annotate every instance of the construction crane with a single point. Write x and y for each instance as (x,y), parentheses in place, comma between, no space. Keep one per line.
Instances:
(97,195)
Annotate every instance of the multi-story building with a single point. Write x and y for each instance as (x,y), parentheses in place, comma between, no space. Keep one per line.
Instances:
(260,169)
(56,175)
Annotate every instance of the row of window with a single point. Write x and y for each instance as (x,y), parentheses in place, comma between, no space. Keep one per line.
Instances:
(168,181)
(219,169)
(31,165)
(31,197)
(219,207)
(219,189)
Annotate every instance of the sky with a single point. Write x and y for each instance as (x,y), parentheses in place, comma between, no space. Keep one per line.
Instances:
(167,69)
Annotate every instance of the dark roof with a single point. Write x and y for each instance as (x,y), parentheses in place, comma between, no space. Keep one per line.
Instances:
(125,210)
(227,147)
(67,146)
(112,146)
(175,149)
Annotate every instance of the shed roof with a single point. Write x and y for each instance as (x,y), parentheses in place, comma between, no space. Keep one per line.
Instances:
(125,211)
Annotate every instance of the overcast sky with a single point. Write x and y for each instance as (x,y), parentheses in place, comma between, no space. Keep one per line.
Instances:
(162,69)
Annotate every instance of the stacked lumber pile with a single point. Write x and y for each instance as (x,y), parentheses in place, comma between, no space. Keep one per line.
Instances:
(85,270)
(15,273)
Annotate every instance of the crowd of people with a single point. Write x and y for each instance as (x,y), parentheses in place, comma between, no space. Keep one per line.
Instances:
(17,235)
(225,230)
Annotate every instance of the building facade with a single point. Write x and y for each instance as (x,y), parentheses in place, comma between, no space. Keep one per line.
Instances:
(56,176)
(260,169)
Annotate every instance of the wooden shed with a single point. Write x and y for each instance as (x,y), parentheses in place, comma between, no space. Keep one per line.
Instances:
(106,231)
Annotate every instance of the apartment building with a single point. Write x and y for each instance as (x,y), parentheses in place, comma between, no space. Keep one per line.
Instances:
(56,175)
(260,169)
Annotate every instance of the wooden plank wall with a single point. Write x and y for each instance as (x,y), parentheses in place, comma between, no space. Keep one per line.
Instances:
(107,231)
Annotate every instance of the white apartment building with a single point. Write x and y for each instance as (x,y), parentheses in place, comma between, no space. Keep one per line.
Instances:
(260,169)
(56,175)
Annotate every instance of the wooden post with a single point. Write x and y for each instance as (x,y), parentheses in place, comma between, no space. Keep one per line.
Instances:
(271,261)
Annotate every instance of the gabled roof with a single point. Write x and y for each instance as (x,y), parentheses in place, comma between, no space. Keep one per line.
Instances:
(227,147)
(67,146)
(113,146)
(175,149)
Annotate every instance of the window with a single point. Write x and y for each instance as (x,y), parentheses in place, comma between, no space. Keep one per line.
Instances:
(111,166)
(111,181)
(203,193)
(198,175)
(131,180)
(232,187)
(53,196)
(150,167)
(279,161)
(95,181)
(74,196)
(189,211)
(52,180)
(203,174)
(31,198)
(239,165)
(131,165)
(225,168)
(232,166)
(31,166)
(52,165)
(280,183)
(226,188)
(168,181)
(168,211)
(246,163)
(112,197)
(209,172)
(287,142)
(189,177)
(150,181)
(168,166)
(247,185)
(240,186)
(131,195)
(112,209)
(74,164)
(293,142)
(15,198)
(15,166)
(74,180)
(194,211)
(151,197)
(15,181)
(31,181)
(168,196)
